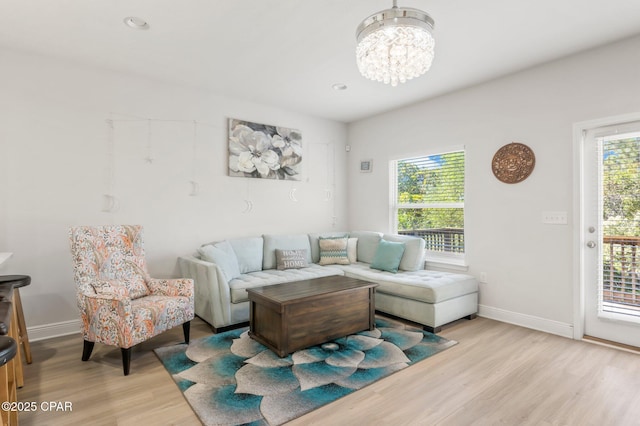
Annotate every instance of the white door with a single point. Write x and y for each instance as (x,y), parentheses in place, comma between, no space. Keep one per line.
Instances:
(610,252)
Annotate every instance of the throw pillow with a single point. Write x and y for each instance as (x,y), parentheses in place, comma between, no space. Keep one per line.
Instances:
(314,242)
(291,259)
(352,250)
(249,252)
(283,242)
(222,254)
(367,244)
(413,257)
(388,256)
(333,251)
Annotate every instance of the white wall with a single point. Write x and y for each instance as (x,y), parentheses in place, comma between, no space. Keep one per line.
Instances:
(528,264)
(54,166)
(54,171)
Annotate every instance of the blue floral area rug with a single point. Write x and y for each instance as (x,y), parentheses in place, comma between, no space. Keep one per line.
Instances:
(230,379)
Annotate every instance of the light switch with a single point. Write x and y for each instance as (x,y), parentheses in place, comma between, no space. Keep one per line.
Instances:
(554,218)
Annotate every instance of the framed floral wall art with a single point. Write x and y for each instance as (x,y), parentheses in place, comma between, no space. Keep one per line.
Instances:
(264,151)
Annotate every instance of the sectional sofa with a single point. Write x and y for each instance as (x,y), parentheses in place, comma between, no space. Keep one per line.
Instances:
(223,271)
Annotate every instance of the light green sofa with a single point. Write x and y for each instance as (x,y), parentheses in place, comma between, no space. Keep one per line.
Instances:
(430,298)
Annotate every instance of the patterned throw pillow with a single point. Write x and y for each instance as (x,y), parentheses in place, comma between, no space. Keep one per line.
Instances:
(127,268)
(333,251)
(291,259)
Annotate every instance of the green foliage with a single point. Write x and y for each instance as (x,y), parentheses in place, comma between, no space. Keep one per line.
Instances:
(621,213)
(433,179)
(412,219)
(621,187)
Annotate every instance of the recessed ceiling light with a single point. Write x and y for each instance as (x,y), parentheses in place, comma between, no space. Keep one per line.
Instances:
(137,23)
(339,86)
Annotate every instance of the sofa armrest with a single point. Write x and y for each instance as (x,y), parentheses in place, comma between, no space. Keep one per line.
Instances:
(212,292)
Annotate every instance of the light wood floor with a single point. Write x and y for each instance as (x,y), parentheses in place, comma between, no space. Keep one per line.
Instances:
(497,374)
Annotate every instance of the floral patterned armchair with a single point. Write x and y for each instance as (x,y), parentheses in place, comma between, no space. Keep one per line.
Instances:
(119,303)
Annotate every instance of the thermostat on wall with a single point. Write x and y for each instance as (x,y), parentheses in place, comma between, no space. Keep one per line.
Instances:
(366,166)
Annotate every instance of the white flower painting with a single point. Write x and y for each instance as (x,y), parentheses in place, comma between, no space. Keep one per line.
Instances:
(263,151)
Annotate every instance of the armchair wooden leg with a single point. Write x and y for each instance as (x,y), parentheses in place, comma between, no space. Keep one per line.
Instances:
(126,360)
(87,349)
(186,327)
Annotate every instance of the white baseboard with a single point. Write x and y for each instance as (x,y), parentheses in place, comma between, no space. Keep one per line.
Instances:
(528,321)
(48,331)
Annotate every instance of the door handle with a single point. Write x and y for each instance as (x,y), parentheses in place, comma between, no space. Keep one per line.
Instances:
(591,244)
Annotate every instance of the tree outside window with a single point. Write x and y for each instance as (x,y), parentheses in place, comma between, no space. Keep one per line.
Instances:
(429,200)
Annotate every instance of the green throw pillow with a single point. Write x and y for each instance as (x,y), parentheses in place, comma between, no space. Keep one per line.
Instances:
(388,256)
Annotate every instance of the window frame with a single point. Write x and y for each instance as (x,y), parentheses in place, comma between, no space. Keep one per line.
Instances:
(432,258)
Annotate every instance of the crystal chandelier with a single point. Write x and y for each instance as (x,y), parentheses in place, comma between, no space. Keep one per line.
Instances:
(395,45)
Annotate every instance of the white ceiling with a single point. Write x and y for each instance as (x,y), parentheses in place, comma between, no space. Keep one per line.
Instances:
(288,53)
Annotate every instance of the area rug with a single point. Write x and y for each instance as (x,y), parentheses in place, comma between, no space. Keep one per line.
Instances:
(230,379)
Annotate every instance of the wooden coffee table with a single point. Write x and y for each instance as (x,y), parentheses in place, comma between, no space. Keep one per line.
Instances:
(292,316)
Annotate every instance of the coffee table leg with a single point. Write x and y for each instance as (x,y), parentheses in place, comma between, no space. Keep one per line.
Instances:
(372,308)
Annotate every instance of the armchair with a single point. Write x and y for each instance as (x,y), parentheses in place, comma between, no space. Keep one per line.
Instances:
(120,304)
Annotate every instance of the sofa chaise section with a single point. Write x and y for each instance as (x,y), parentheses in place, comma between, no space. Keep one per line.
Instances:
(431,298)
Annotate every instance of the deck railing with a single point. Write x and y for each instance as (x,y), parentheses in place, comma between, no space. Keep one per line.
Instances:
(621,283)
(448,240)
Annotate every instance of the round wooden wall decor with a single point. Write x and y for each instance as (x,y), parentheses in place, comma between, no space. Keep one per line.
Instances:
(513,163)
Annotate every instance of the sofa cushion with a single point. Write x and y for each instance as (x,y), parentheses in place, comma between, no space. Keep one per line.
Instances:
(388,256)
(315,246)
(352,250)
(283,242)
(291,259)
(413,257)
(367,244)
(249,253)
(240,285)
(221,254)
(423,285)
(333,251)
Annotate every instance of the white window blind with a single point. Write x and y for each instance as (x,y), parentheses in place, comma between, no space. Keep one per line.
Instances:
(428,200)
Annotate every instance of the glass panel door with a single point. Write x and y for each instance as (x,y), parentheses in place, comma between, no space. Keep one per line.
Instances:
(620,191)
(611,218)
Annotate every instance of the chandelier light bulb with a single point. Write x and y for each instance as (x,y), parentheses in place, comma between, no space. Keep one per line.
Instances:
(395,45)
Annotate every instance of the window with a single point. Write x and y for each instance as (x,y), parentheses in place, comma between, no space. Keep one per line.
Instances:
(428,202)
